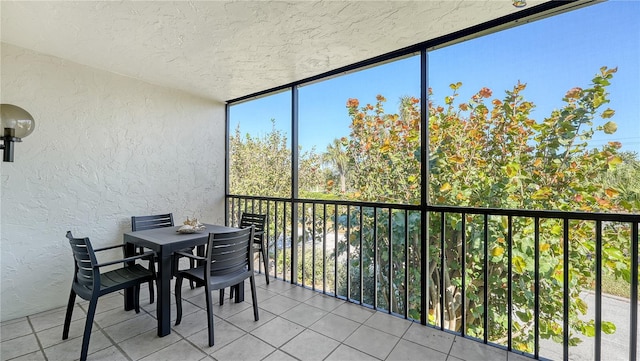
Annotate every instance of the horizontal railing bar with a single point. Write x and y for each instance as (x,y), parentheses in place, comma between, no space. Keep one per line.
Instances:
(589,216)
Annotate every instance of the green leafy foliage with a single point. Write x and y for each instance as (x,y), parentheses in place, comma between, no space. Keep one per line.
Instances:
(489,152)
(485,152)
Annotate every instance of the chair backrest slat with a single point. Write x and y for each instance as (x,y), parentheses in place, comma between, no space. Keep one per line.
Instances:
(253,219)
(85,273)
(141,223)
(230,252)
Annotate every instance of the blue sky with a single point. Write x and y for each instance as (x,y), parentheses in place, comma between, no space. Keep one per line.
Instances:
(551,56)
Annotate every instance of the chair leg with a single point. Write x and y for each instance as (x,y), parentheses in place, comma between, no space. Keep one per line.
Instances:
(136,298)
(192,264)
(264,260)
(87,328)
(152,267)
(221,296)
(254,297)
(178,292)
(67,318)
(151,292)
(209,314)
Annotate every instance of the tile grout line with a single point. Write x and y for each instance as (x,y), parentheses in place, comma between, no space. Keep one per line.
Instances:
(95,325)
(35,334)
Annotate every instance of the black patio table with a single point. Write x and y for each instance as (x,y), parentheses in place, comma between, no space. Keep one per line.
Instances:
(165,241)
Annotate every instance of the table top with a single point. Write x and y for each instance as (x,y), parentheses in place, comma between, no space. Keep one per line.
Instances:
(169,239)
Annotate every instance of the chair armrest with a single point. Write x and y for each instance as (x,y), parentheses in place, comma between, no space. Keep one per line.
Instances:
(128,259)
(190,255)
(110,247)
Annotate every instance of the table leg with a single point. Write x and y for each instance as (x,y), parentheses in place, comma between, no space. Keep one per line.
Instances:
(129,303)
(164,294)
(239,292)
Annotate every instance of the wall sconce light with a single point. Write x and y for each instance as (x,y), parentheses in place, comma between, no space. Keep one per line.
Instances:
(519,3)
(16,124)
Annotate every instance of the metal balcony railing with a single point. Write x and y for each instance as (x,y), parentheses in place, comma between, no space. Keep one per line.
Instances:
(513,279)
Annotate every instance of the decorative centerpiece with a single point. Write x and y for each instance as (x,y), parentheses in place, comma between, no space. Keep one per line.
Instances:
(191,226)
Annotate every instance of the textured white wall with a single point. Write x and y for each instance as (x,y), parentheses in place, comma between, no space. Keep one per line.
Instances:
(105,147)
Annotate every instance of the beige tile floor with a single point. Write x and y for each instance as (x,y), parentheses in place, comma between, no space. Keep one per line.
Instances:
(295,324)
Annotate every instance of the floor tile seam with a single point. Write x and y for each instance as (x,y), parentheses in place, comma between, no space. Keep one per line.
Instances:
(391,350)
(341,341)
(57,325)
(95,327)
(271,320)
(171,344)
(245,333)
(301,325)
(492,346)
(13,337)
(294,298)
(35,334)
(207,354)
(307,303)
(353,348)
(278,349)
(448,353)
(349,335)
(17,320)
(306,329)
(194,305)
(113,343)
(389,333)
(317,308)
(367,353)
(351,319)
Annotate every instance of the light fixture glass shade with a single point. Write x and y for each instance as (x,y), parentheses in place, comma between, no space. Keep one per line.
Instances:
(519,3)
(12,116)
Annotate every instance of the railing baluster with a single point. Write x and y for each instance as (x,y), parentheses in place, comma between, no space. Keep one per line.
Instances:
(360,255)
(390,270)
(276,235)
(313,246)
(425,264)
(335,250)
(536,288)
(375,258)
(348,253)
(485,321)
(598,341)
(324,248)
(284,241)
(304,240)
(633,337)
(443,267)
(267,237)
(463,229)
(406,264)
(565,290)
(233,211)
(509,281)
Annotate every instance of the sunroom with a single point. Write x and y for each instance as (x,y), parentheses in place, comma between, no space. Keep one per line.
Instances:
(441,180)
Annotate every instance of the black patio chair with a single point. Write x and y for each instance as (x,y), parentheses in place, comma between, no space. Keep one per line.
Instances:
(258,221)
(229,261)
(89,283)
(141,223)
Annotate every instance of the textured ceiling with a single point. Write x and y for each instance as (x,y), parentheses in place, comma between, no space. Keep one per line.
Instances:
(226,49)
